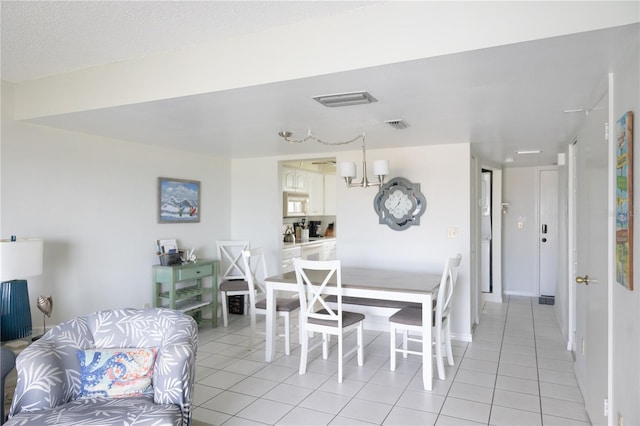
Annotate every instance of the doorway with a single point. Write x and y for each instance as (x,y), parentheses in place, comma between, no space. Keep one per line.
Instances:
(486,285)
(548,234)
(592,181)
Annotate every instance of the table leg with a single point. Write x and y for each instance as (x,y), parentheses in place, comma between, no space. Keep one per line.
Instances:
(269,350)
(427,370)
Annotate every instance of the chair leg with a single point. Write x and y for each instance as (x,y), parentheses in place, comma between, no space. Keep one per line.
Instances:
(392,347)
(304,342)
(252,316)
(223,303)
(447,339)
(405,343)
(440,364)
(325,346)
(301,332)
(340,339)
(287,337)
(360,346)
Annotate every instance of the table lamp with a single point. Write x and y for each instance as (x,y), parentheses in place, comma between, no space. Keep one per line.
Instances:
(20,258)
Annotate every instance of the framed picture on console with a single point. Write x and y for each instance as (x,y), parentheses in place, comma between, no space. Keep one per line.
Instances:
(178,200)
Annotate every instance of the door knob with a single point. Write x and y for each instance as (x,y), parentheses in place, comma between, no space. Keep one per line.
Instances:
(583,280)
(544,240)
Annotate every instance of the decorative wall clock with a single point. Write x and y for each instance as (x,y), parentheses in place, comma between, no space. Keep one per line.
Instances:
(399,204)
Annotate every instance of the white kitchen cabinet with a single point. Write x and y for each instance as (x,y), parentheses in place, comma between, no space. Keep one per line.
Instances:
(288,254)
(330,195)
(313,251)
(329,250)
(294,180)
(315,186)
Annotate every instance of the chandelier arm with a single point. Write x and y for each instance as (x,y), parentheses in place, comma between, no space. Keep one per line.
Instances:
(286,137)
(364,182)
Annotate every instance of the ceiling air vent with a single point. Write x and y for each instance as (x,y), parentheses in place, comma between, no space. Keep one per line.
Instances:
(345,99)
(397,124)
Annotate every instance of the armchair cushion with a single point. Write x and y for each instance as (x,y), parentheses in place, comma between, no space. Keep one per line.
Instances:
(116,372)
(50,374)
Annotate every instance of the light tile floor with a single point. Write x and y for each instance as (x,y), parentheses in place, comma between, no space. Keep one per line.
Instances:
(516,372)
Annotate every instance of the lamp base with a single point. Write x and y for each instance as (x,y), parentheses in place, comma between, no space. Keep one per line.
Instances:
(15,313)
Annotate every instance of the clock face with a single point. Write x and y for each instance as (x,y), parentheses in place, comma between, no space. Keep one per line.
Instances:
(399,204)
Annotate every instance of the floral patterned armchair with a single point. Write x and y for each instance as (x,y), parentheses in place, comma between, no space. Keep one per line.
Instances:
(116,367)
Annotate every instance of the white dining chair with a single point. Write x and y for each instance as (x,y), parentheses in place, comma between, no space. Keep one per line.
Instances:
(409,320)
(255,267)
(232,280)
(313,277)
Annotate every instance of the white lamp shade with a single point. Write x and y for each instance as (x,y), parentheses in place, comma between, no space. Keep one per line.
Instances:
(348,169)
(381,167)
(20,259)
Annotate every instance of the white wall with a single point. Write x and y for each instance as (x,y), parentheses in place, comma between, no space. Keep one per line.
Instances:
(626,304)
(256,206)
(93,201)
(520,246)
(442,171)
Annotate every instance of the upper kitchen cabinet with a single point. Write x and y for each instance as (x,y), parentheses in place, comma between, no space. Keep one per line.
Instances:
(315,183)
(294,180)
(315,177)
(330,195)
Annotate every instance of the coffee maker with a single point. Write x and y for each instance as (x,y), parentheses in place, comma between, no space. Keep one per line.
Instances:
(314,228)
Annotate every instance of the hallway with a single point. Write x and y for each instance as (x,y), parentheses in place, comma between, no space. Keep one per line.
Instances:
(516,372)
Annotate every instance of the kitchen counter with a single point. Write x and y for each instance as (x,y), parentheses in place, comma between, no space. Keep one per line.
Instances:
(312,240)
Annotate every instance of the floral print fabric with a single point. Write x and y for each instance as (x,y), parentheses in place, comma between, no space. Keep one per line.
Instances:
(116,373)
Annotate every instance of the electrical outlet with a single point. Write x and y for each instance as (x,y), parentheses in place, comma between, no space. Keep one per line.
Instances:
(619,419)
(582,346)
(147,305)
(452,233)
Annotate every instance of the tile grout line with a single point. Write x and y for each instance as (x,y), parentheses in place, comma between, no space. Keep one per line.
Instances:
(535,349)
(452,381)
(495,383)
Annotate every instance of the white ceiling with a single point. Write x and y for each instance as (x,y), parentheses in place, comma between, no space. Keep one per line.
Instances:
(500,99)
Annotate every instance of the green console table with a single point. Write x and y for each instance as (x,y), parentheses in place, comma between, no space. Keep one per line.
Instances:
(185,288)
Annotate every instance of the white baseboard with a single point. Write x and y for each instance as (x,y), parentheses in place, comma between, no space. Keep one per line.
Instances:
(462,337)
(492,297)
(520,293)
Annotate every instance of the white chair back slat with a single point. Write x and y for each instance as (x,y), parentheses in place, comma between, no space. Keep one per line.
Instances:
(230,257)
(255,269)
(315,289)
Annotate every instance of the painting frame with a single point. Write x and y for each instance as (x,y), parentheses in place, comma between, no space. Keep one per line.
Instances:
(624,200)
(178,200)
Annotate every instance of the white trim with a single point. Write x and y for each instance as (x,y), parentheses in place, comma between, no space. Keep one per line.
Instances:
(571,248)
(462,337)
(611,252)
(520,293)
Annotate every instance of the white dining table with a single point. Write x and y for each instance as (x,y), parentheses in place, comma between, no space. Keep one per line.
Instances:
(405,286)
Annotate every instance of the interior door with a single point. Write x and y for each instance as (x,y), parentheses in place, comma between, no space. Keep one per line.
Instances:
(591,366)
(548,233)
(485,231)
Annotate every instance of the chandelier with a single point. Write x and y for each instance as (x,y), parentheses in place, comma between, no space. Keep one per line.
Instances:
(348,168)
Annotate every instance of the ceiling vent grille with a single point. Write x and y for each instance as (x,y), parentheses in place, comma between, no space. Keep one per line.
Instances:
(345,99)
(398,124)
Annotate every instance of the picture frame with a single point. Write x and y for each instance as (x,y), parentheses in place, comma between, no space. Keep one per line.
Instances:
(178,200)
(624,200)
